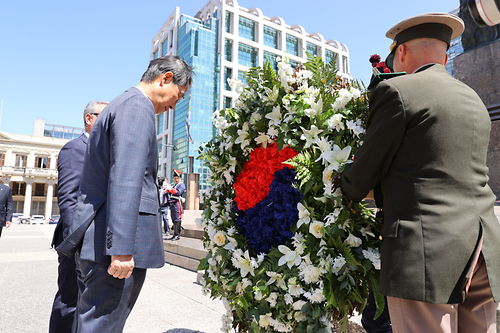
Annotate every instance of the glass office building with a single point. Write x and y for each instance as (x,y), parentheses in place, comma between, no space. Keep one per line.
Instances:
(222,41)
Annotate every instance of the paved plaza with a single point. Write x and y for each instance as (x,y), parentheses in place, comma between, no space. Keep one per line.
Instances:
(170,302)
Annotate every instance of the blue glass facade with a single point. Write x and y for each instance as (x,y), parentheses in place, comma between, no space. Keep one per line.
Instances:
(164,47)
(292,45)
(329,55)
(312,49)
(270,37)
(247,29)
(197,45)
(455,49)
(272,60)
(247,55)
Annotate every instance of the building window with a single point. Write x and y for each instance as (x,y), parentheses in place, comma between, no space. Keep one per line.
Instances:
(247,29)
(272,60)
(39,190)
(242,77)
(18,206)
(159,148)
(159,123)
(229,17)
(155,54)
(270,37)
(247,55)
(37,208)
(293,63)
(42,162)
(227,102)
(164,47)
(2,161)
(18,188)
(329,56)
(228,74)
(228,50)
(21,161)
(292,45)
(312,49)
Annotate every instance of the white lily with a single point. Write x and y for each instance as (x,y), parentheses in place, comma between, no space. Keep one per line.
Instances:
(310,135)
(315,109)
(262,139)
(338,157)
(244,263)
(274,116)
(304,215)
(290,257)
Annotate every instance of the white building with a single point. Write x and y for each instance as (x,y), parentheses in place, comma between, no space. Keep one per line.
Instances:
(29,167)
(221,41)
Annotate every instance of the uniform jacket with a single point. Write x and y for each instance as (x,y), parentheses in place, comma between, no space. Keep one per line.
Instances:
(117,212)
(426,144)
(5,204)
(69,169)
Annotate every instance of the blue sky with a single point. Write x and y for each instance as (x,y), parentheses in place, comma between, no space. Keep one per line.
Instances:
(56,56)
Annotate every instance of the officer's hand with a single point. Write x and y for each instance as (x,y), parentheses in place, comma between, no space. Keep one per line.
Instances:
(121,266)
(7,224)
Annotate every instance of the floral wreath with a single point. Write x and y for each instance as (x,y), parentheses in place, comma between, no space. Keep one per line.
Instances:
(286,251)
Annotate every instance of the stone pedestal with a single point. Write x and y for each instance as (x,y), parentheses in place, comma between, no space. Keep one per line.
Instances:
(479,68)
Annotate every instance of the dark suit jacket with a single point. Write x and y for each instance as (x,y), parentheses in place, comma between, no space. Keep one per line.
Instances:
(5,204)
(118,208)
(69,168)
(426,143)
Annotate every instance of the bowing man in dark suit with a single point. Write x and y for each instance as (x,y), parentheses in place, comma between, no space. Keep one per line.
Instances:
(69,167)
(115,234)
(5,205)
(426,144)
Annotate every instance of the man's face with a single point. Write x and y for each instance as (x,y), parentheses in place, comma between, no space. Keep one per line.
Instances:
(169,93)
(177,179)
(95,114)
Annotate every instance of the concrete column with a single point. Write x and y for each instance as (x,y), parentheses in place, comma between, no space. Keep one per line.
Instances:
(27,197)
(48,203)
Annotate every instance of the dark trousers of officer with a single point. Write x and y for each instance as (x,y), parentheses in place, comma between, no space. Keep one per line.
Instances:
(164,214)
(176,215)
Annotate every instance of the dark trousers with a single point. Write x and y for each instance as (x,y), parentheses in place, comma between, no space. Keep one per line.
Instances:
(164,214)
(1,228)
(64,306)
(380,325)
(104,302)
(176,215)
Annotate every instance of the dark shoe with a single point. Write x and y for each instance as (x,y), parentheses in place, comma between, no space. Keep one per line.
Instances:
(174,238)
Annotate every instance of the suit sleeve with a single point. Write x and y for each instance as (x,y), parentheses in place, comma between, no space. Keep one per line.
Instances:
(8,212)
(70,166)
(384,135)
(132,131)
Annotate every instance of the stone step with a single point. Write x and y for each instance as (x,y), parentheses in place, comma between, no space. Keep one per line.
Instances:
(187,251)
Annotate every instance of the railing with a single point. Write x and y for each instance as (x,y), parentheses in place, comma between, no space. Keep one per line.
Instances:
(19,171)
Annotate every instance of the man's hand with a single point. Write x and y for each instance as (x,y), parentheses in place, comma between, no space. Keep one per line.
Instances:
(7,224)
(121,266)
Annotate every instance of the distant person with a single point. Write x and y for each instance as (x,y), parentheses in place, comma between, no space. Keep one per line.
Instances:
(426,145)
(69,167)
(115,234)
(176,203)
(164,199)
(5,205)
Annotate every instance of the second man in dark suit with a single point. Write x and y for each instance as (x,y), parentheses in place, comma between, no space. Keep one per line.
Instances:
(69,168)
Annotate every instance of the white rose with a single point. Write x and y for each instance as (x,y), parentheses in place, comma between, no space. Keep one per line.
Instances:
(315,229)
(219,238)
